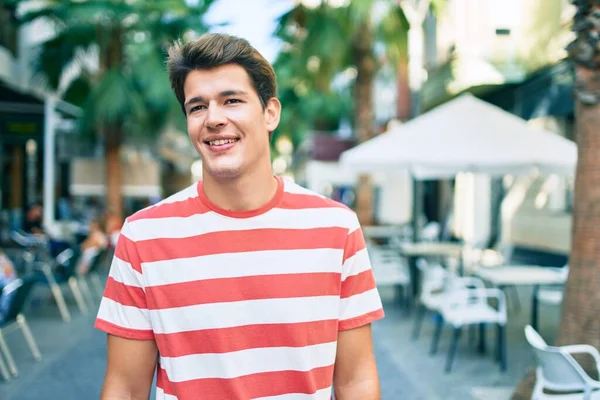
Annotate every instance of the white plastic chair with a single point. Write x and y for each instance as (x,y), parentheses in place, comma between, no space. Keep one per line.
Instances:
(436,285)
(389,269)
(431,232)
(553,295)
(469,307)
(558,371)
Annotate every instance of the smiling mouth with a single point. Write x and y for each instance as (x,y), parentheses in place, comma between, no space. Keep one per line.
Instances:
(221,142)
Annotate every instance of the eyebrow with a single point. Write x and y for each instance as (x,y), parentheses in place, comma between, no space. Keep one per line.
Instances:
(225,93)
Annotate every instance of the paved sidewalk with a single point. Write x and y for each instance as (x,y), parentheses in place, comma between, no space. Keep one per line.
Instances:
(73,361)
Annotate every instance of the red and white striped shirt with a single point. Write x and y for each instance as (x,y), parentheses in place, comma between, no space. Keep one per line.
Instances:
(242,305)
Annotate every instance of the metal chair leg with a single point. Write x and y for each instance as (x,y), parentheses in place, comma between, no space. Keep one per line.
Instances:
(4,370)
(85,289)
(482,338)
(515,297)
(502,347)
(35,351)
(57,293)
(9,359)
(419,321)
(452,350)
(471,334)
(97,285)
(436,335)
(77,295)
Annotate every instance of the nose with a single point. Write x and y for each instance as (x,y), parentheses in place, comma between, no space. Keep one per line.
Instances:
(215,118)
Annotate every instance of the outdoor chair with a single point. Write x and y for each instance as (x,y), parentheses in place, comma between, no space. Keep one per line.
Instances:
(470,307)
(93,274)
(391,269)
(35,258)
(553,295)
(437,284)
(558,371)
(431,232)
(18,292)
(57,272)
(500,255)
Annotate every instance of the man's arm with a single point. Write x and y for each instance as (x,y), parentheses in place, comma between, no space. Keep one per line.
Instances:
(355,371)
(130,369)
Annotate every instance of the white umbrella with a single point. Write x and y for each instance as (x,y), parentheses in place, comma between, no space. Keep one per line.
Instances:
(465,135)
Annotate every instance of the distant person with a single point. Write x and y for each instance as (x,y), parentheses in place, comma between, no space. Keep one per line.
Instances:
(34,219)
(244,285)
(114,224)
(7,275)
(95,242)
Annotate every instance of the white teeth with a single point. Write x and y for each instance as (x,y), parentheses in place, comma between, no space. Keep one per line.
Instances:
(221,142)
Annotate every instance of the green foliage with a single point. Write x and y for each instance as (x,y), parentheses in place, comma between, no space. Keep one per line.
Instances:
(326,34)
(129,40)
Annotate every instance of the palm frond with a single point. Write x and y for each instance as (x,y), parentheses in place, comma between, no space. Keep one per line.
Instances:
(51,58)
(392,31)
(113,102)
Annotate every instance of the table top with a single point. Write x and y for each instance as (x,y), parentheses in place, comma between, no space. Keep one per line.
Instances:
(383,231)
(522,275)
(431,249)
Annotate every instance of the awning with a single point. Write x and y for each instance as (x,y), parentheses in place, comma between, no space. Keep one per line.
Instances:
(465,135)
(141,178)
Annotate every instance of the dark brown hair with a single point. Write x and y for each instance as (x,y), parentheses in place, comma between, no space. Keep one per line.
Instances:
(213,50)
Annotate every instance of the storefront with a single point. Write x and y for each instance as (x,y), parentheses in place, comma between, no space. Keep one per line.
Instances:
(21,153)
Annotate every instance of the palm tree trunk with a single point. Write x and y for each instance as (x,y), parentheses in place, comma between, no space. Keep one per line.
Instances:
(114,199)
(364,59)
(362,52)
(113,134)
(579,323)
(581,307)
(403,107)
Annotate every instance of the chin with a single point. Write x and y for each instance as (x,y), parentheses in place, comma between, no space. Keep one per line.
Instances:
(224,172)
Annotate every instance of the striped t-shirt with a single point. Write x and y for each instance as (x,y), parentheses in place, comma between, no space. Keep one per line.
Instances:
(242,305)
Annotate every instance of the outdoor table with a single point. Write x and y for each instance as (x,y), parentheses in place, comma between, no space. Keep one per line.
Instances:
(412,250)
(523,275)
(374,233)
(431,249)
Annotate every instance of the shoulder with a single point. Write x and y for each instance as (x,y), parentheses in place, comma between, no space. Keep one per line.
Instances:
(169,207)
(179,205)
(301,198)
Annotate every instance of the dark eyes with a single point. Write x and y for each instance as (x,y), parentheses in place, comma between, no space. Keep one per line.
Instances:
(203,107)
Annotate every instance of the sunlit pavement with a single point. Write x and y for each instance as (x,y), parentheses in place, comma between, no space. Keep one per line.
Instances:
(74,357)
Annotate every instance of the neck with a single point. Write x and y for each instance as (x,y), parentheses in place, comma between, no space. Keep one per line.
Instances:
(249,192)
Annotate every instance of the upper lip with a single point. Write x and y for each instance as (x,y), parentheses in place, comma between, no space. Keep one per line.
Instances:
(220,137)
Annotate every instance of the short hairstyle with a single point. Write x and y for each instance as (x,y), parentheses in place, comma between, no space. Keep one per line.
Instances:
(213,50)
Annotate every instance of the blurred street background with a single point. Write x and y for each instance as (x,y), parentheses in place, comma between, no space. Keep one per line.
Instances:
(464,133)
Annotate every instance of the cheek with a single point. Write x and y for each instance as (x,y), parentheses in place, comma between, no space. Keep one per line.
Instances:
(193,128)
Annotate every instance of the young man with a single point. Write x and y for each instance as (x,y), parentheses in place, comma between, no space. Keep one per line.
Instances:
(243,286)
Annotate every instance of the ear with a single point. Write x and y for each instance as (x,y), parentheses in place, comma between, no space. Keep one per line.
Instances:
(272,113)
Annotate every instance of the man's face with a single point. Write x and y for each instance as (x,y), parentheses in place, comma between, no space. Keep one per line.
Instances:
(226,121)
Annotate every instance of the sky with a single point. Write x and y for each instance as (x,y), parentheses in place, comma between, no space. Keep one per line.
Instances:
(254,20)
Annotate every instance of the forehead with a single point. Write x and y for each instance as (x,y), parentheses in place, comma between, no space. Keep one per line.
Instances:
(210,82)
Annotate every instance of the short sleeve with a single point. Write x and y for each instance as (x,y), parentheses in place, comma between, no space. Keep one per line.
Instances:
(123,310)
(360,301)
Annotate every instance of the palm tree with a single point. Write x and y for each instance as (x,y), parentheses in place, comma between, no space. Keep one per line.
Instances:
(325,42)
(581,305)
(125,90)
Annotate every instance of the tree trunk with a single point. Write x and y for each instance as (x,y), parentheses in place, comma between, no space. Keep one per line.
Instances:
(581,307)
(112,57)
(579,323)
(364,59)
(114,198)
(403,104)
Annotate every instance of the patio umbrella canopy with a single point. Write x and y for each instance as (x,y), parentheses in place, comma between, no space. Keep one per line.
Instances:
(465,135)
